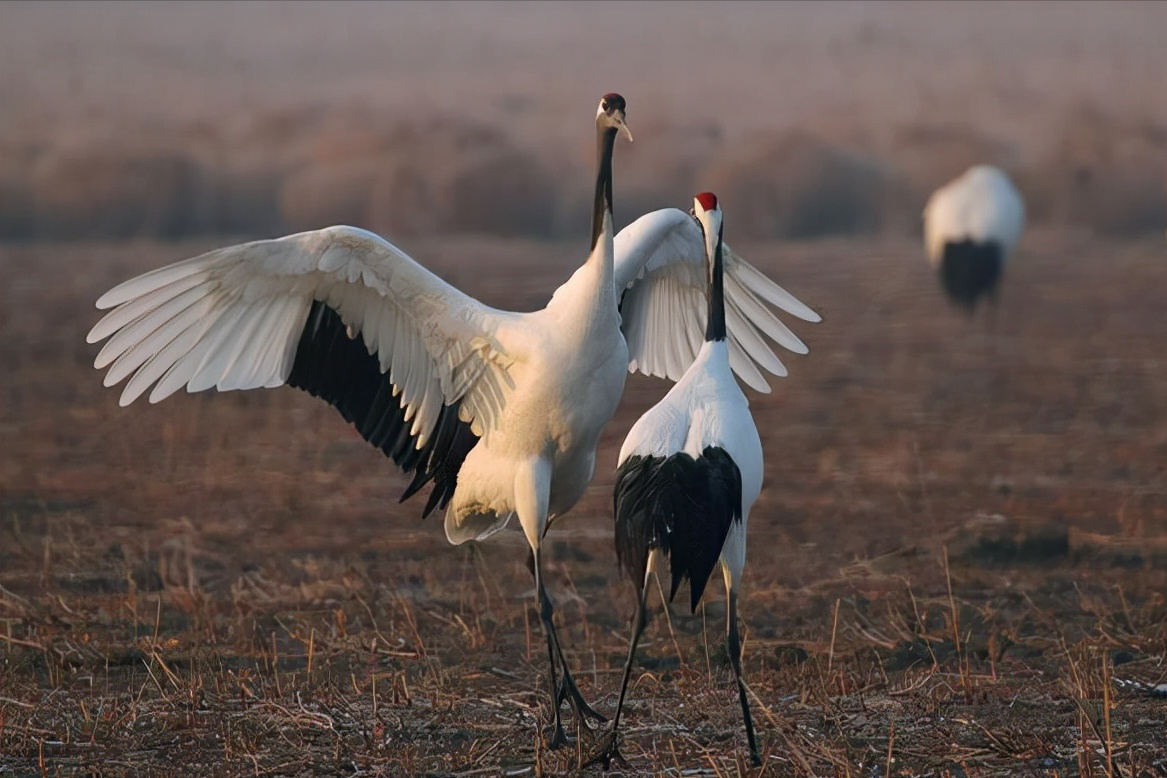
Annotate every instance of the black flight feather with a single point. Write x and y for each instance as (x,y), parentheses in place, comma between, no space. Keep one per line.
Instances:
(681,505)
(341,371)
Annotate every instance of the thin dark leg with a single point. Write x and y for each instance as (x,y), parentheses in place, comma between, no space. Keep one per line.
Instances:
(558,738)
(609,749)
(637,631)
(735,656)
(567,689)
(570,692)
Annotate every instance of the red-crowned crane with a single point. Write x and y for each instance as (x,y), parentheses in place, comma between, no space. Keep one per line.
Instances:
(688,473)
(500,411)
(971,226)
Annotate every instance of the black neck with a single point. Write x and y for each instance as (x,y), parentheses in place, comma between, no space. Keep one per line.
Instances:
(606,139)
(715,324)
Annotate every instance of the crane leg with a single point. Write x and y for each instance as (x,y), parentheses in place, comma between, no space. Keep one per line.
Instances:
(570,692)
(735,656)
(566,689)
(558,739)
(637,630)
(609,747)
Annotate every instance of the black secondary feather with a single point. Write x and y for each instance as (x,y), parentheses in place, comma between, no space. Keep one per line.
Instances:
(681,505)
(970,270)
(340,370)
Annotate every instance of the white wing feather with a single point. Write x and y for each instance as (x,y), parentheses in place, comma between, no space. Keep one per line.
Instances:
(232,319)
(660,269)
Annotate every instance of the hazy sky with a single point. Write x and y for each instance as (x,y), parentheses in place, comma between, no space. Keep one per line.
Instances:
(747,63)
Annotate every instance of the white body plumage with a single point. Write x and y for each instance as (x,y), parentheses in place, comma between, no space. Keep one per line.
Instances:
(980,205)
(706,408)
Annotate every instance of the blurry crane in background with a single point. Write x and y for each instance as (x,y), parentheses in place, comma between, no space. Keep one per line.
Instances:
(971,226)
(689,470)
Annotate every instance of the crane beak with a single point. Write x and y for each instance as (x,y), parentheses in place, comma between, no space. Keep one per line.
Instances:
(621,125)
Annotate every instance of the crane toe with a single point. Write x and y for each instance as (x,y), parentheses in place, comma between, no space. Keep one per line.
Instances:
(606,752)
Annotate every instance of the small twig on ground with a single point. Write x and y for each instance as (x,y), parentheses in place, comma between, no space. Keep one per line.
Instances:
(834,633)
(891,739)
(669,619)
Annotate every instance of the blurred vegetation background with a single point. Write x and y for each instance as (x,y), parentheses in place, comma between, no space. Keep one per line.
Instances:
(149,120)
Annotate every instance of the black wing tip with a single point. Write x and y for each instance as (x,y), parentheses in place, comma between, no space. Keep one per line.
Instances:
(339,369)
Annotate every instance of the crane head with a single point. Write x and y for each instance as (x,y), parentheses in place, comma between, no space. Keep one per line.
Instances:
(706,200)
(610,113)
(708,214)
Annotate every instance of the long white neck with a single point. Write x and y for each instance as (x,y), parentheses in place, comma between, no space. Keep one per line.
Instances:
(712,358)
(601,263)
(589,296)
(591,290)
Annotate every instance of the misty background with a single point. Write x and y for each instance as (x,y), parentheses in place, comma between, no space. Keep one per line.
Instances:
(170,120)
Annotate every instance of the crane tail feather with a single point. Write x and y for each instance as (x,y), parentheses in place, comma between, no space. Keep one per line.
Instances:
(682,505)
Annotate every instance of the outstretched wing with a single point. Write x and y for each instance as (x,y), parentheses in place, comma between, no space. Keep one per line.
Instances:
(426,371)
(660,271)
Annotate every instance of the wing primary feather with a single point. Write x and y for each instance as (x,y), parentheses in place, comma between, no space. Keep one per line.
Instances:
(154,316)
(763,318)
(752,278)
(751,341)
(136,310)
(745,368)
(150,282)
(341,371)
(263,358)
(136,353)
(235,345)
(187,357)
(219,337)
(160,363)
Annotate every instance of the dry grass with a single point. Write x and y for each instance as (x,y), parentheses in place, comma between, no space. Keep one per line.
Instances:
(957,564)
(442,175)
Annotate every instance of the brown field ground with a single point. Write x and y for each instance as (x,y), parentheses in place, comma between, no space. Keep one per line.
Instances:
(958,563)
(227,582)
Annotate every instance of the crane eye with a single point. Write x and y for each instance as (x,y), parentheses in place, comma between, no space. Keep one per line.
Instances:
(604,105)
